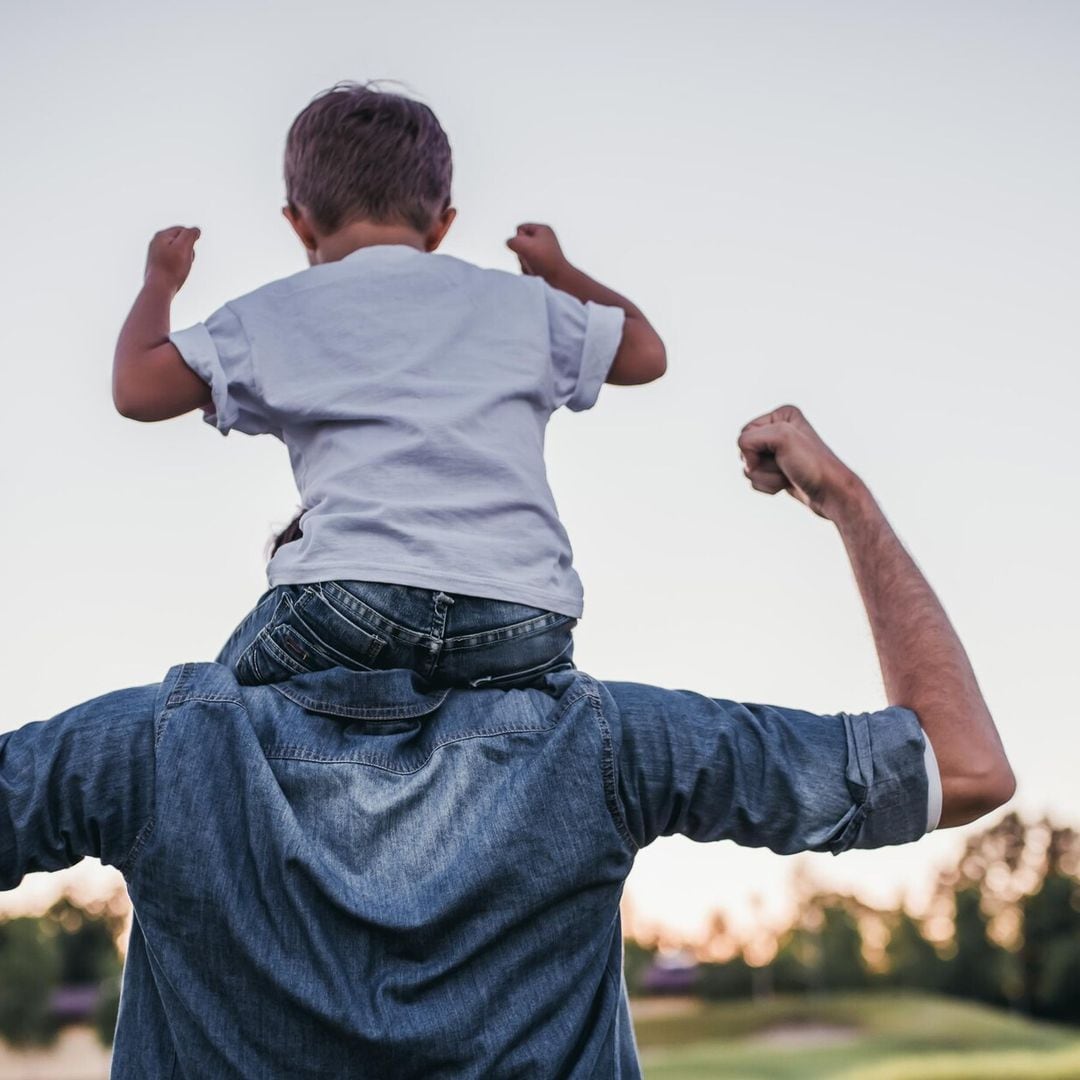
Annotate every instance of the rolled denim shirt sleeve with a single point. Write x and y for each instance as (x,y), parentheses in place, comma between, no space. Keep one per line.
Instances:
(887,776)
(79,784)
(220,353)
(765,776)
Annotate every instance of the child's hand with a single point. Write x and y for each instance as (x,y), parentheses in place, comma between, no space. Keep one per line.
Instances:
(538,251)
(172,251)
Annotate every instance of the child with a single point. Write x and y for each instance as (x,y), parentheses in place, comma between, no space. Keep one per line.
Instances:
(412,391)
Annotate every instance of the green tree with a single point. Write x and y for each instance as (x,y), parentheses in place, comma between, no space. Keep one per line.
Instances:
(1051,921)
(822,950)
(1057,995)
(794,968)
(108,1010)
(842,966)
(913,961)
(978,969)
(86,937)
(637,958)
(29,966)
(732,979)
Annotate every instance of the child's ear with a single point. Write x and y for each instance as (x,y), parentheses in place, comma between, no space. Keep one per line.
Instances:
(298,219)
(439,229)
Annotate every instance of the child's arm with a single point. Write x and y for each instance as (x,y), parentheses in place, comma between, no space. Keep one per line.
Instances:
(641,357)
(150,379)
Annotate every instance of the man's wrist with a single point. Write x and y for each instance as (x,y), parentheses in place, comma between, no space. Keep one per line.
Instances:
(850,503)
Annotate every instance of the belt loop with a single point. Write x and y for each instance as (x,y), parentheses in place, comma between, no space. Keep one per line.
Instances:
(442,601)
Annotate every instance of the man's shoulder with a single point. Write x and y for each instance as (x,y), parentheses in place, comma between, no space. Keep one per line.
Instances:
(201,680)
(634,697)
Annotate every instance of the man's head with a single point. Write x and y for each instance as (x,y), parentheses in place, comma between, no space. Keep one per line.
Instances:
(358,154)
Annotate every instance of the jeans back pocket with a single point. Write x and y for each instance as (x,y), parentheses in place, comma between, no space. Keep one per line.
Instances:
(304,635)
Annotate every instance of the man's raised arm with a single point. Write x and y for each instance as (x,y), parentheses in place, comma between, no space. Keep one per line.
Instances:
(923,663)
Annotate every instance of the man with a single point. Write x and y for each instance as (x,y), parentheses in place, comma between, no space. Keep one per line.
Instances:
(349,875)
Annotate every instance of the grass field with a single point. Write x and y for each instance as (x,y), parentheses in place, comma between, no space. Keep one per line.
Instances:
(850,1037)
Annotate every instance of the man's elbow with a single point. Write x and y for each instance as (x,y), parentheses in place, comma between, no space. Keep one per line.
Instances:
(970,797)
(1001,787)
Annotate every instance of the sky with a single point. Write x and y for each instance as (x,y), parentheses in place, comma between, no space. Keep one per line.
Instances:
(866,208)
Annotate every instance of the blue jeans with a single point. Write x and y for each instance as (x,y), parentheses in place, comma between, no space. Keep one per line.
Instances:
(451,640)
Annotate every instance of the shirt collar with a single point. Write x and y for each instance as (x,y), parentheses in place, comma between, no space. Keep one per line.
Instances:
(398,250)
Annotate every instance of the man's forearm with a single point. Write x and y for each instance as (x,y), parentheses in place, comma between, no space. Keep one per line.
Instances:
(923,663)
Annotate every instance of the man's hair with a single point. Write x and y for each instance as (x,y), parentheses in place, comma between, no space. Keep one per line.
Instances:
(358,152)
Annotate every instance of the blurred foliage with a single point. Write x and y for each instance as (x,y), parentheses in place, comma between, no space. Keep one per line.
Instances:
(978,968)
(822,950)
(29,967)
(732,979)
(636,961)
(911,961)
(71,945)
(1003,928)
(87,939)
(108,1010)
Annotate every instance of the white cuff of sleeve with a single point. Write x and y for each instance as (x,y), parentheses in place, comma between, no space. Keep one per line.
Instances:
(933,786)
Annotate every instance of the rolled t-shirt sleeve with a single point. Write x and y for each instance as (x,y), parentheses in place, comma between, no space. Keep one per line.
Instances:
(765,776)
(584,338)
(219,352)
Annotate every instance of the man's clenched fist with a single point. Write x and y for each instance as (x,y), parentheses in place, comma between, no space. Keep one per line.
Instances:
(782,452)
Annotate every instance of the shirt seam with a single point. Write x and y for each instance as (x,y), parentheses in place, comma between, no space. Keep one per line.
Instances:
(289,752)
(168,689)
(197,695)
(607,769)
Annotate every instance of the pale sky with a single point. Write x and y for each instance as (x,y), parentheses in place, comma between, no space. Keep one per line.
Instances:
(866,208)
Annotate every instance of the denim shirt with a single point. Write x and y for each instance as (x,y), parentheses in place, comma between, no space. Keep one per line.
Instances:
(352,875)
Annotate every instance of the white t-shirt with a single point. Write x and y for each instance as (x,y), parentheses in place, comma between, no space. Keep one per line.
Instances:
(413,392)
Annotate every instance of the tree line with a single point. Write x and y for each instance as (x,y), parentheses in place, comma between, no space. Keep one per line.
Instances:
(1003,927)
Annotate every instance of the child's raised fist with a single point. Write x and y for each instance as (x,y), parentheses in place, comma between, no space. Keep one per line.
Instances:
(538,251)
(171,253)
